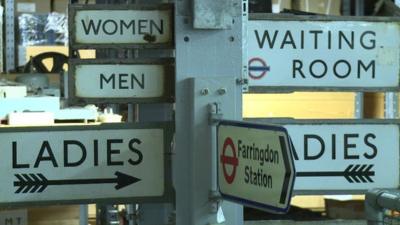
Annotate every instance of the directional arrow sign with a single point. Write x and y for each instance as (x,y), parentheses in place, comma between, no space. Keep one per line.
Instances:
(255,165)
(82,164)
(344,156)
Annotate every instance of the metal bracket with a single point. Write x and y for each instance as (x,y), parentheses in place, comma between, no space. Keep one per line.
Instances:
(243,81)
(211,14)
(215,113)
(215,200)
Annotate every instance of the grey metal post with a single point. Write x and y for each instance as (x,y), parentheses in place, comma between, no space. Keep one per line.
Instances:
(203,57)
(391,105)
(346,7)
(359,103)
(83,215)
(152,213)
(106,214)
(360,5)
(83,209)
(391,99)
(10,35)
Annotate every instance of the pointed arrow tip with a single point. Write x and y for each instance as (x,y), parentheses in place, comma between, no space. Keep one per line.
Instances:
(124,180)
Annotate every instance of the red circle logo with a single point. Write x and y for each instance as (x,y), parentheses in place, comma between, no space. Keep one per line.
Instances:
(258,68)
(229,161)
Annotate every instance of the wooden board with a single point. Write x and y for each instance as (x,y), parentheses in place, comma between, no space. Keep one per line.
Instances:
(54,215)
(300,105)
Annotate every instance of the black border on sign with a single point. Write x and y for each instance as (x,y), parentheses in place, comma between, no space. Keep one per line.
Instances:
(168,195)
(317,18)
(74,8)
(310,122)
(169,81)
(258,205)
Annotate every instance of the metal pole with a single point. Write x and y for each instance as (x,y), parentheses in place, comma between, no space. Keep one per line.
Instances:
(214,192)
(360,5)
(10,35)
(391,105)
(107,214)
(83,215)
(359,104)
(83,209)
(346,7)
(193,155)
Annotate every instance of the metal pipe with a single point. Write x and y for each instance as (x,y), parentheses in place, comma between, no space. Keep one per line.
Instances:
(133,116)
(130,116)
(214,111)
(391,105)
(9,35)
(376,201)
(83,215)
(214,194)
(360,4)
(359,107)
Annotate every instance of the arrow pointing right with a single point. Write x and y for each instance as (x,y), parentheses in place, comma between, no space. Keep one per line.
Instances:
(33,183)
(124,180)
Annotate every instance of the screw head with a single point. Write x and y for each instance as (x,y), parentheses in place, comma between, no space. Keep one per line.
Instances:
(204,91)
(221,91)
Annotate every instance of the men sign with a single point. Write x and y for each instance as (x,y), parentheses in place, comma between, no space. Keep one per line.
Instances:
(255,165)
(344,156)
(110,26)
(112,81)
(319,53)
(105,163)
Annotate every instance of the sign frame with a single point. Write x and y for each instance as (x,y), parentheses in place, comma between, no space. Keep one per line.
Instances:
(290,121)
(241,200)
(318,18)
(169,81)
(74,8)
(168,129)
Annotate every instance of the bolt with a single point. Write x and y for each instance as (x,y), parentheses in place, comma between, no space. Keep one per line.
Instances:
(221,91)
(204,91)
(241,81)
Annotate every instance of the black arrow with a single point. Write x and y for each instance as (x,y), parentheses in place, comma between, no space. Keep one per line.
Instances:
(286,162)
(353,173)
(38,182)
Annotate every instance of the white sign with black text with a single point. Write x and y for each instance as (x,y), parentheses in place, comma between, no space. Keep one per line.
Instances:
(323,54)
(121,25)
(343,157)
(119,81)
(255,165)
(84,165)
